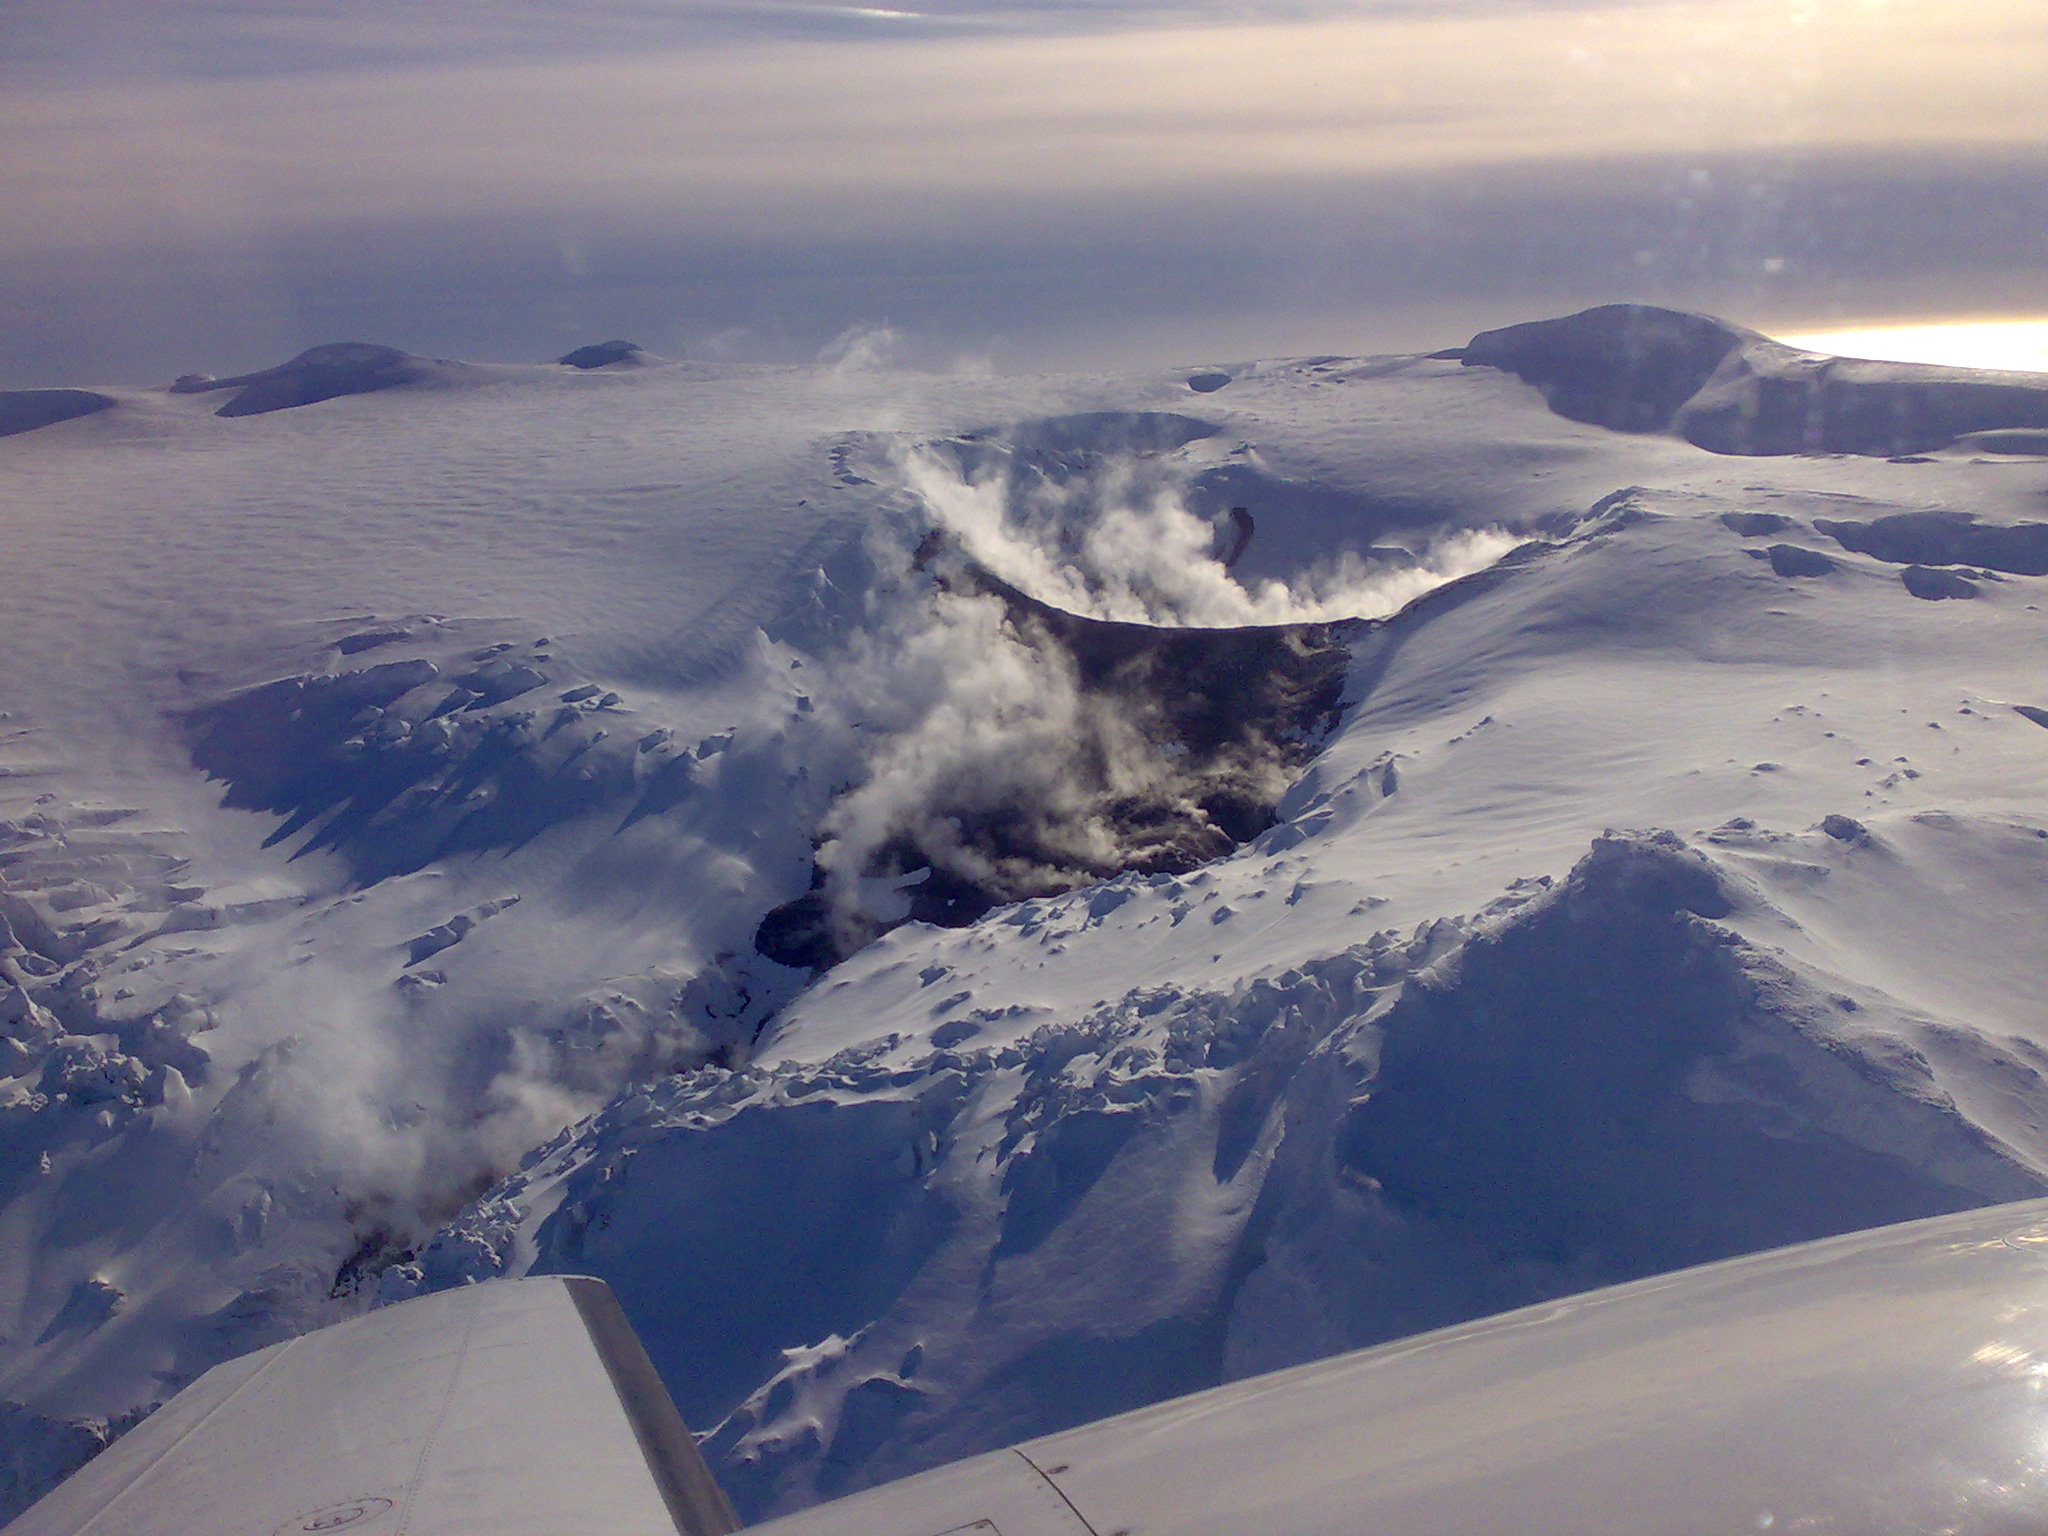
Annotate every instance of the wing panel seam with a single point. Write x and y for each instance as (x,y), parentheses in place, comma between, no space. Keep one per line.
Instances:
(1056,1488)
(419,1471)
(93,1520)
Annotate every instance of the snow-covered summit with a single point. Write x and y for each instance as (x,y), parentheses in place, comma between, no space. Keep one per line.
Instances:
(1641,369)
(980,902)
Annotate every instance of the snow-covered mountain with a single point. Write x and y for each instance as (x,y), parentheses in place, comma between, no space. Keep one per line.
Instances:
(976,903)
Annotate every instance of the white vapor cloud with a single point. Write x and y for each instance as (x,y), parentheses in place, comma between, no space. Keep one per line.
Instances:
(1122,544)
(951,709)
(965,717)
(863,347)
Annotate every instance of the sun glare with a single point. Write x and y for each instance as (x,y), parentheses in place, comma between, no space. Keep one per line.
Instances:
(2021,344)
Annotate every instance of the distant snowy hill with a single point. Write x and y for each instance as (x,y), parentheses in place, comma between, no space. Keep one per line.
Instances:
(976,903)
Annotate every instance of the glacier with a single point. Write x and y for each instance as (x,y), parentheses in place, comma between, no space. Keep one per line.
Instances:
(977,903)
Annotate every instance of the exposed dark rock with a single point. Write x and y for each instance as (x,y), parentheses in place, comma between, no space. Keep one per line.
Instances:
(1209,689)
(801,932)
(1791,560)
(602,354)
(319,373)
(1207,382)
(496,681)
(1626,366)
(1946,538)
(1236,711)
(23,410)
(91,1303)
(1756,525)
(1845,829)
(1242,527)
(370,639)
(447,935)
(1933,584)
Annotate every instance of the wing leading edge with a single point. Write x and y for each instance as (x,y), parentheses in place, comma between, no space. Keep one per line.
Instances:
(512,1408)
(1890,1381)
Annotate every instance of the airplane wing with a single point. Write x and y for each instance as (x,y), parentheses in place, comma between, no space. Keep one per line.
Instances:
(1883,1383)
(519,1406)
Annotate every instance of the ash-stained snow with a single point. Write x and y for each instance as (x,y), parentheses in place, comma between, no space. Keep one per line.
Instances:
(977,903)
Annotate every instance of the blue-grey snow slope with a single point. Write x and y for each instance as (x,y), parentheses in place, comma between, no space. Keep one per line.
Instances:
(1666,885)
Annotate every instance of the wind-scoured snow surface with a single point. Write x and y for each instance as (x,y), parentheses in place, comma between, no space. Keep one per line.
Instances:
(980,903)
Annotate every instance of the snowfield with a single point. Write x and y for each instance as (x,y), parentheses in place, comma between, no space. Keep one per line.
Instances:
(979,903)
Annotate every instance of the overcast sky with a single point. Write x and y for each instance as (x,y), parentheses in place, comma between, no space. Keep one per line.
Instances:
(214,184)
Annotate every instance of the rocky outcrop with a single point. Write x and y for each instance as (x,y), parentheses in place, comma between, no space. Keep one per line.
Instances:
(1925,581)
(1944,538)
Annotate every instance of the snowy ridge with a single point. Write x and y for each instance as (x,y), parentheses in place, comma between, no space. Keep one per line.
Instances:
(1206,779)
(1402,1135)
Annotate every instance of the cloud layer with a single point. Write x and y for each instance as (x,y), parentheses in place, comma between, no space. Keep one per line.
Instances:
(817,162)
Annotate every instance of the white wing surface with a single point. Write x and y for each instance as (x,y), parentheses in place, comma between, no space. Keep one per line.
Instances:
(1885,1382)
(1891,1381)
(512,1408)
